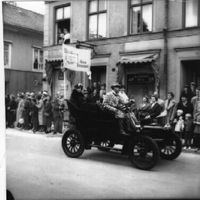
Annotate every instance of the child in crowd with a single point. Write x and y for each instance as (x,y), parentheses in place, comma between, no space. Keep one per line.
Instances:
(179,123)
(188,130)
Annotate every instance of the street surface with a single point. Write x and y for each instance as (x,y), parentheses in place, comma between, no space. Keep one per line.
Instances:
(37,168)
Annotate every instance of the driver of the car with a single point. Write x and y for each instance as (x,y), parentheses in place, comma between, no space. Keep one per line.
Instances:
(112,102)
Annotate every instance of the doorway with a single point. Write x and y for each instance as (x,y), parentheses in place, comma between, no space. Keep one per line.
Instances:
(98,74)
(191,72)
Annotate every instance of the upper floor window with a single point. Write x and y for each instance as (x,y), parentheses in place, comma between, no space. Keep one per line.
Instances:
(62,20)
(97,19)
(7,54)
(37,59)
(141,13)
(191,13)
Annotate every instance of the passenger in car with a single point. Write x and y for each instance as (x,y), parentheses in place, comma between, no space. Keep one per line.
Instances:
(154,111)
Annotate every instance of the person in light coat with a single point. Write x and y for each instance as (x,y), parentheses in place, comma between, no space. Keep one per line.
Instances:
(169,107)
(40,106)
(20,109)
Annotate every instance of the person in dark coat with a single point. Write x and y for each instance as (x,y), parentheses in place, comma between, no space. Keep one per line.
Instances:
(12,111)
(187,92)
(47,114)
(193,89)
(7,108)
(77,96)
(34,114)
(154,110)
(58,115)
(185,106)
(26,112)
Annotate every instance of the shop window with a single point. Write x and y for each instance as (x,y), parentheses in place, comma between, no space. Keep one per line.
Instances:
(37,59)
(192,13)
(62,20)
(97,19)
(141,12)
(7,54)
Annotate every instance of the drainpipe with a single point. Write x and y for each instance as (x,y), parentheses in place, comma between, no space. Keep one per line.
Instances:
(165,36)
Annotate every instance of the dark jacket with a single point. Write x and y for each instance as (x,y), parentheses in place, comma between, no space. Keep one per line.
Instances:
(188,108)
(47,112)
(58,109)
(77,98)
(155,110)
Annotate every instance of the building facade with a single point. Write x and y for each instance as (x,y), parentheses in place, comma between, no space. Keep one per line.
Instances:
(23,54)
(147,45)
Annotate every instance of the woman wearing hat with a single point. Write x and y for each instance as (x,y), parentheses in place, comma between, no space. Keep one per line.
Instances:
(77,96)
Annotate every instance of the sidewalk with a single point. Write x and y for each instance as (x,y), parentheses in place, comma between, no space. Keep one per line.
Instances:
(37,133)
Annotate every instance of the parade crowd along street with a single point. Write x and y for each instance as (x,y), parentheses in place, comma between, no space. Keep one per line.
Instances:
(40,112)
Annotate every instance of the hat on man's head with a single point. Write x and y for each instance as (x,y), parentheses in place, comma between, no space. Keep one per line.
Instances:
(193,83)
(114,85)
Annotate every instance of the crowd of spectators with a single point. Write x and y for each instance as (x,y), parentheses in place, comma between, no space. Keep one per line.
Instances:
(183,116)
(36,112)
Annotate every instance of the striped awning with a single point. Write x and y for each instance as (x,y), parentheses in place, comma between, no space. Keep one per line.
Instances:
(144,58)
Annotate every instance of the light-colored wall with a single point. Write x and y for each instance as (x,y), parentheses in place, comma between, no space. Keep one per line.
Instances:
(22,43)
(117,22)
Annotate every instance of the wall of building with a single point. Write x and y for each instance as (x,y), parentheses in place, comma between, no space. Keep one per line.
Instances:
(22,81)
(22,44)
(20,76)
(120,41)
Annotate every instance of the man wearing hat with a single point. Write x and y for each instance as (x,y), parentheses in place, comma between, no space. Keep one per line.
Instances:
(112,102)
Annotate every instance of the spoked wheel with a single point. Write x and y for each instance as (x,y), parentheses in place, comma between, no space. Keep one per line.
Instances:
(144,153)
(172,147)
(73,143)
(105,144)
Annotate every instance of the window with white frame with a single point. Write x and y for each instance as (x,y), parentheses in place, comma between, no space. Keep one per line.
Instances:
(141,12)
(7,54)
(37,59)
(192,16)
(97,19)
(62,20)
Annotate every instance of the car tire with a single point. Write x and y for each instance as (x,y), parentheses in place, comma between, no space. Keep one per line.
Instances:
(172,147)
(73,143)
(143,152)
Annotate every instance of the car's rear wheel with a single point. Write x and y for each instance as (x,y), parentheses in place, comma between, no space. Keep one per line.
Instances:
(172,147)
(143,152)
(73,143)
(106,145)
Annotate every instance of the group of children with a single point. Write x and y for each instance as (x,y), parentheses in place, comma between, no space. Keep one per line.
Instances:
(184,128)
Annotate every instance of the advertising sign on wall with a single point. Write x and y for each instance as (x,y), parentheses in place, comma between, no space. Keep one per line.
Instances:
(76,59)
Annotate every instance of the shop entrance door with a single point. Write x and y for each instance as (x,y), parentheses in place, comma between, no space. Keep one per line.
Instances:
(99,74)
(191,72)
(140,85)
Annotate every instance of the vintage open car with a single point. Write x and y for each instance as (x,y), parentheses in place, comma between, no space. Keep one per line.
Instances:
(144,145)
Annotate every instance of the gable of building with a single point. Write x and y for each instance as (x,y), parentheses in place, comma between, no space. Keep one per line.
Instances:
(22,18)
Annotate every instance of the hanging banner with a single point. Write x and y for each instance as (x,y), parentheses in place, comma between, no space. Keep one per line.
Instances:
(76,59)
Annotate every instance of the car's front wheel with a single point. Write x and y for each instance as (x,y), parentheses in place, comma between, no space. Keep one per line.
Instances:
(143,152)
(73,143)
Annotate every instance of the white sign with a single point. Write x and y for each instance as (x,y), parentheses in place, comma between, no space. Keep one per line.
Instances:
(76,59)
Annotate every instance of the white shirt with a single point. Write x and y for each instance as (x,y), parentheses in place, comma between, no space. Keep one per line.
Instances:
(66,36)
(124,97)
